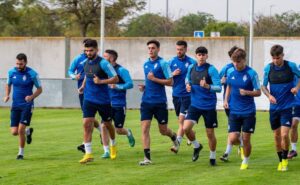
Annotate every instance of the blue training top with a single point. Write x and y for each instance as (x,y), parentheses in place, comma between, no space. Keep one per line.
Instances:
(297,97)
(201,97)
(22,82)
(179,89)
(154,92)
(97,93)
(118,94)
(223,73)
(76,67)
(281,81)
(246,79)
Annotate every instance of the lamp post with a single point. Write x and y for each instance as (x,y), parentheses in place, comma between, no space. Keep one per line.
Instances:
(251,32)
(102,27)
(271,6)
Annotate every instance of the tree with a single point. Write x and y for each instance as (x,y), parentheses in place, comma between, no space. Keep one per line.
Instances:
(8,15)
(149,25)
(186,25)
(226,28)
(87,12)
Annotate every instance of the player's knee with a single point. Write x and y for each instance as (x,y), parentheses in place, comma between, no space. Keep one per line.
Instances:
(294,127)
(119,130)
(14,133)
(163,131)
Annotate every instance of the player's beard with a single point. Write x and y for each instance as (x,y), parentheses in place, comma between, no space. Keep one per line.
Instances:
(92,56)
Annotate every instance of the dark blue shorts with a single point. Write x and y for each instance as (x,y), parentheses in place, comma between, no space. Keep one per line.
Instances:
(296,112)
(81,96)
(181,104)
(245,123)
(118,116)
(90,109)
(21,115)
(210,116)
(227,111)
(280,118)
(158,110)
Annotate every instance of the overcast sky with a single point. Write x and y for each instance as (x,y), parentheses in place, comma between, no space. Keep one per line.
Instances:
(238,9)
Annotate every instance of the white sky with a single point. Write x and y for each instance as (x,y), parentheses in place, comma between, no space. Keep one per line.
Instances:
(238,9)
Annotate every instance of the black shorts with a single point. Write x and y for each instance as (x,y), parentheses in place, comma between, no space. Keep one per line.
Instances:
(158,110)
(181,105)
(90,109)
(210,116)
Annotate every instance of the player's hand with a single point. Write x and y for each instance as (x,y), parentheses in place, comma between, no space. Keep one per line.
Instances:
(223,80)
(203,83)
(272,99)
(243,92)
(225,105)
(113,86)
(150,76)
(5,99)
(28,98)
(96,80)
(141,87)
(294,90)
(188,87)
(176,72)
(77,77)
(80,90)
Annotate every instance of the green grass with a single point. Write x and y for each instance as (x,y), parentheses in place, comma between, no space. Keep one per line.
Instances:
(52,158)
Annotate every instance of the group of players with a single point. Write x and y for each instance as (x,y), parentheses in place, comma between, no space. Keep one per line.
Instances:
(102,85)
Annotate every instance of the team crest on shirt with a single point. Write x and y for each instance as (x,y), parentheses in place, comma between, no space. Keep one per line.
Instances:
(14,77)
(232,78)
(155,66)
(146,66)
(175,65)
(24,78)
(245,78)
(186,65)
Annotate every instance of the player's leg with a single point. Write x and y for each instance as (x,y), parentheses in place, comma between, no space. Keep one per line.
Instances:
(211,122)
(192,118)
(146,112)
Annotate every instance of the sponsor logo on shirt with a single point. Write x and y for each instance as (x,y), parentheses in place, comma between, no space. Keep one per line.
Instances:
(155,66)
(24,78)
(186,65)
(14,77)
(175,65)
(232,78)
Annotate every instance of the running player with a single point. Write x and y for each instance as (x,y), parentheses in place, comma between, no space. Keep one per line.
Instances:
(22,79)
(280,75)
(98,73)
(242,86)
(203,82)
(181,98)
(117,94)
(154,101)
(76,72)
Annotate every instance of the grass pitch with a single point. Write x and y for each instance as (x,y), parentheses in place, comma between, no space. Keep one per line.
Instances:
(52,157)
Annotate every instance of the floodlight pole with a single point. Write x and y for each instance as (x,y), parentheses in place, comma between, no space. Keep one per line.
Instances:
(227,10)
(167,8)
(251,33)
(102,27)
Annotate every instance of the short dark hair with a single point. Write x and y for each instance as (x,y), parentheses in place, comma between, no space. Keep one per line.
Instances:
(154,42)
(238,55)
(181,43)
(201,50)
(232,50)
(90,43)
(85,40)
(276,50)
(22,56)
(113,53)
